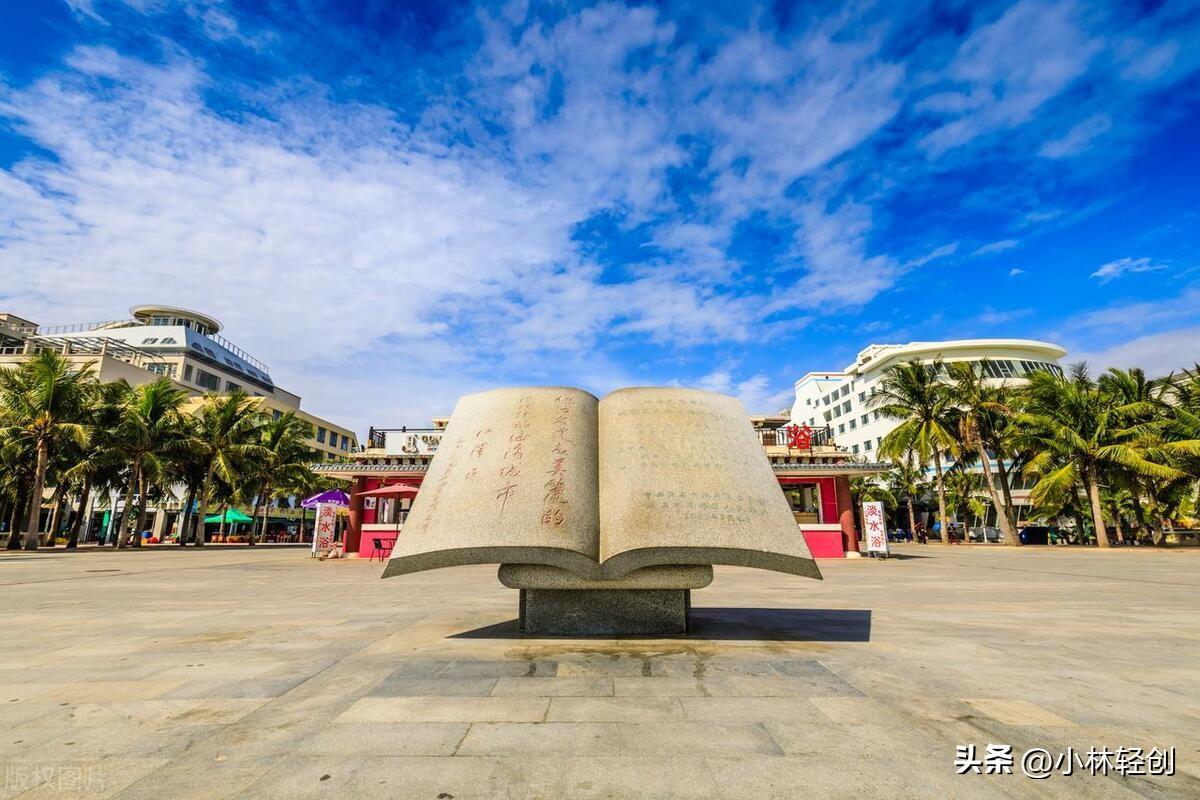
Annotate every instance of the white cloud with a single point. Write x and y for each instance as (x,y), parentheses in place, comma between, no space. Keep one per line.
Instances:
(755,392)
(1122,266)
(1128,316)
(1079,138)
(1158,354)
(1015,271)
(994,317)
(996,247)
(1005,70)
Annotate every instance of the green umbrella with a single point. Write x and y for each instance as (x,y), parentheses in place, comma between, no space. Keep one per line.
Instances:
(231,515)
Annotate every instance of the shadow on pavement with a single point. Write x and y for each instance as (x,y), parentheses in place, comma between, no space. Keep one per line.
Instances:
(735,624)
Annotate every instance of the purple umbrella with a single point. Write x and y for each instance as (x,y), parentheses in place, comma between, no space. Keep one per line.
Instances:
(335,496)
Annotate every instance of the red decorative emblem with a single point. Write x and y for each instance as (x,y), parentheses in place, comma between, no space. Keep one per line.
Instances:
(799,438)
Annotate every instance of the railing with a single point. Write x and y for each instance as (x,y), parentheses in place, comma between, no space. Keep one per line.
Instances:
(81,327)
(239,352)
(86,327)
(377,437)
(778,437)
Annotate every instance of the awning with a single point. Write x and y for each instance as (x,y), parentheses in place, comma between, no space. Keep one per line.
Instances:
(335,496)
(231,515)
(391,491)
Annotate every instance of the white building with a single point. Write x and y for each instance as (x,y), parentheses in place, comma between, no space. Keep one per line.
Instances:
(840,400)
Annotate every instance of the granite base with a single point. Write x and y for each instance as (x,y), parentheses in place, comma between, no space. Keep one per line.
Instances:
(605,612)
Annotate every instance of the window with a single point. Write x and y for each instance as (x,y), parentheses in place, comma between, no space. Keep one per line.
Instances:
(828,416)
(846,407)
(187,372)
(804,499)
(845,391)
(206,380)
(345,442)
(864,419)
(853,424)
(842,428)
(876,413)
(320,434)
(867,445)
(162,369)
(167,340)
(855,448)
(230,386)
(151,340)
(862,397)
(276,413)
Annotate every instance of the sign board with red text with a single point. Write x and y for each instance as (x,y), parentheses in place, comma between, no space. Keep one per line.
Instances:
(875,527)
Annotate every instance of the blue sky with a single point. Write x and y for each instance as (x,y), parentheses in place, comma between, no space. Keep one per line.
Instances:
(392,207)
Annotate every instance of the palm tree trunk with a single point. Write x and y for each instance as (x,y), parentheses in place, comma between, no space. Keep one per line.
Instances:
(183,526)
(55,517)
(124,515)
(35,497)
(1006,528)
(1139,516)
(143,490)
(912,520)
(202,511)
(1009,509)
(14,523)
(1093,491)
(1117,522)
(224,516)
(265,498)
(85,496)
(944,527)
(1157,533)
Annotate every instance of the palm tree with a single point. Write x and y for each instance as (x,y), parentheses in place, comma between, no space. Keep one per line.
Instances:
(284,463)
(979,408)
(962,494)
(43,401)
(96,465)
(1077,431)
(147,433)
(224,438)
(16,476)
(914,394)
(907,481)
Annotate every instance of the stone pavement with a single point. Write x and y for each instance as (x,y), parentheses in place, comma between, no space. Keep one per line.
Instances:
(239,673)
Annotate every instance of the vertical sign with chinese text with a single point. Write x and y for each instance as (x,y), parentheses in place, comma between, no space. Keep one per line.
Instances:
(325,528)
(875,527)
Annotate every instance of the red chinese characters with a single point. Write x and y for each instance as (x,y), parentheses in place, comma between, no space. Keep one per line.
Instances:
(799,438)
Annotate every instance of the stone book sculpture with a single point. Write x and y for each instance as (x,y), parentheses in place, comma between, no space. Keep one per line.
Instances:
(605,513)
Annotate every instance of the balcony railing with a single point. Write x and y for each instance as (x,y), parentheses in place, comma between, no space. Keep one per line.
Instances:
(377,437)
(778,437)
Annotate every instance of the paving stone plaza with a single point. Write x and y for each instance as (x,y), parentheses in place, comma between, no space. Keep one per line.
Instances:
(262,673)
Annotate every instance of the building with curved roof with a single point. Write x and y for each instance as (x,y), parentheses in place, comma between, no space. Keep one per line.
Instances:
(180,343)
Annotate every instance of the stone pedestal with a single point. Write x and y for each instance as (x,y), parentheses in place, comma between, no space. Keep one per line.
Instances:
(605,612)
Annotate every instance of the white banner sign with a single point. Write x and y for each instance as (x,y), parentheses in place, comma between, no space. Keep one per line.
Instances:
(325,527)
(875,527)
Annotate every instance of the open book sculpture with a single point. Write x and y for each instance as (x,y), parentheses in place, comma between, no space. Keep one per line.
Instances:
(604,513)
